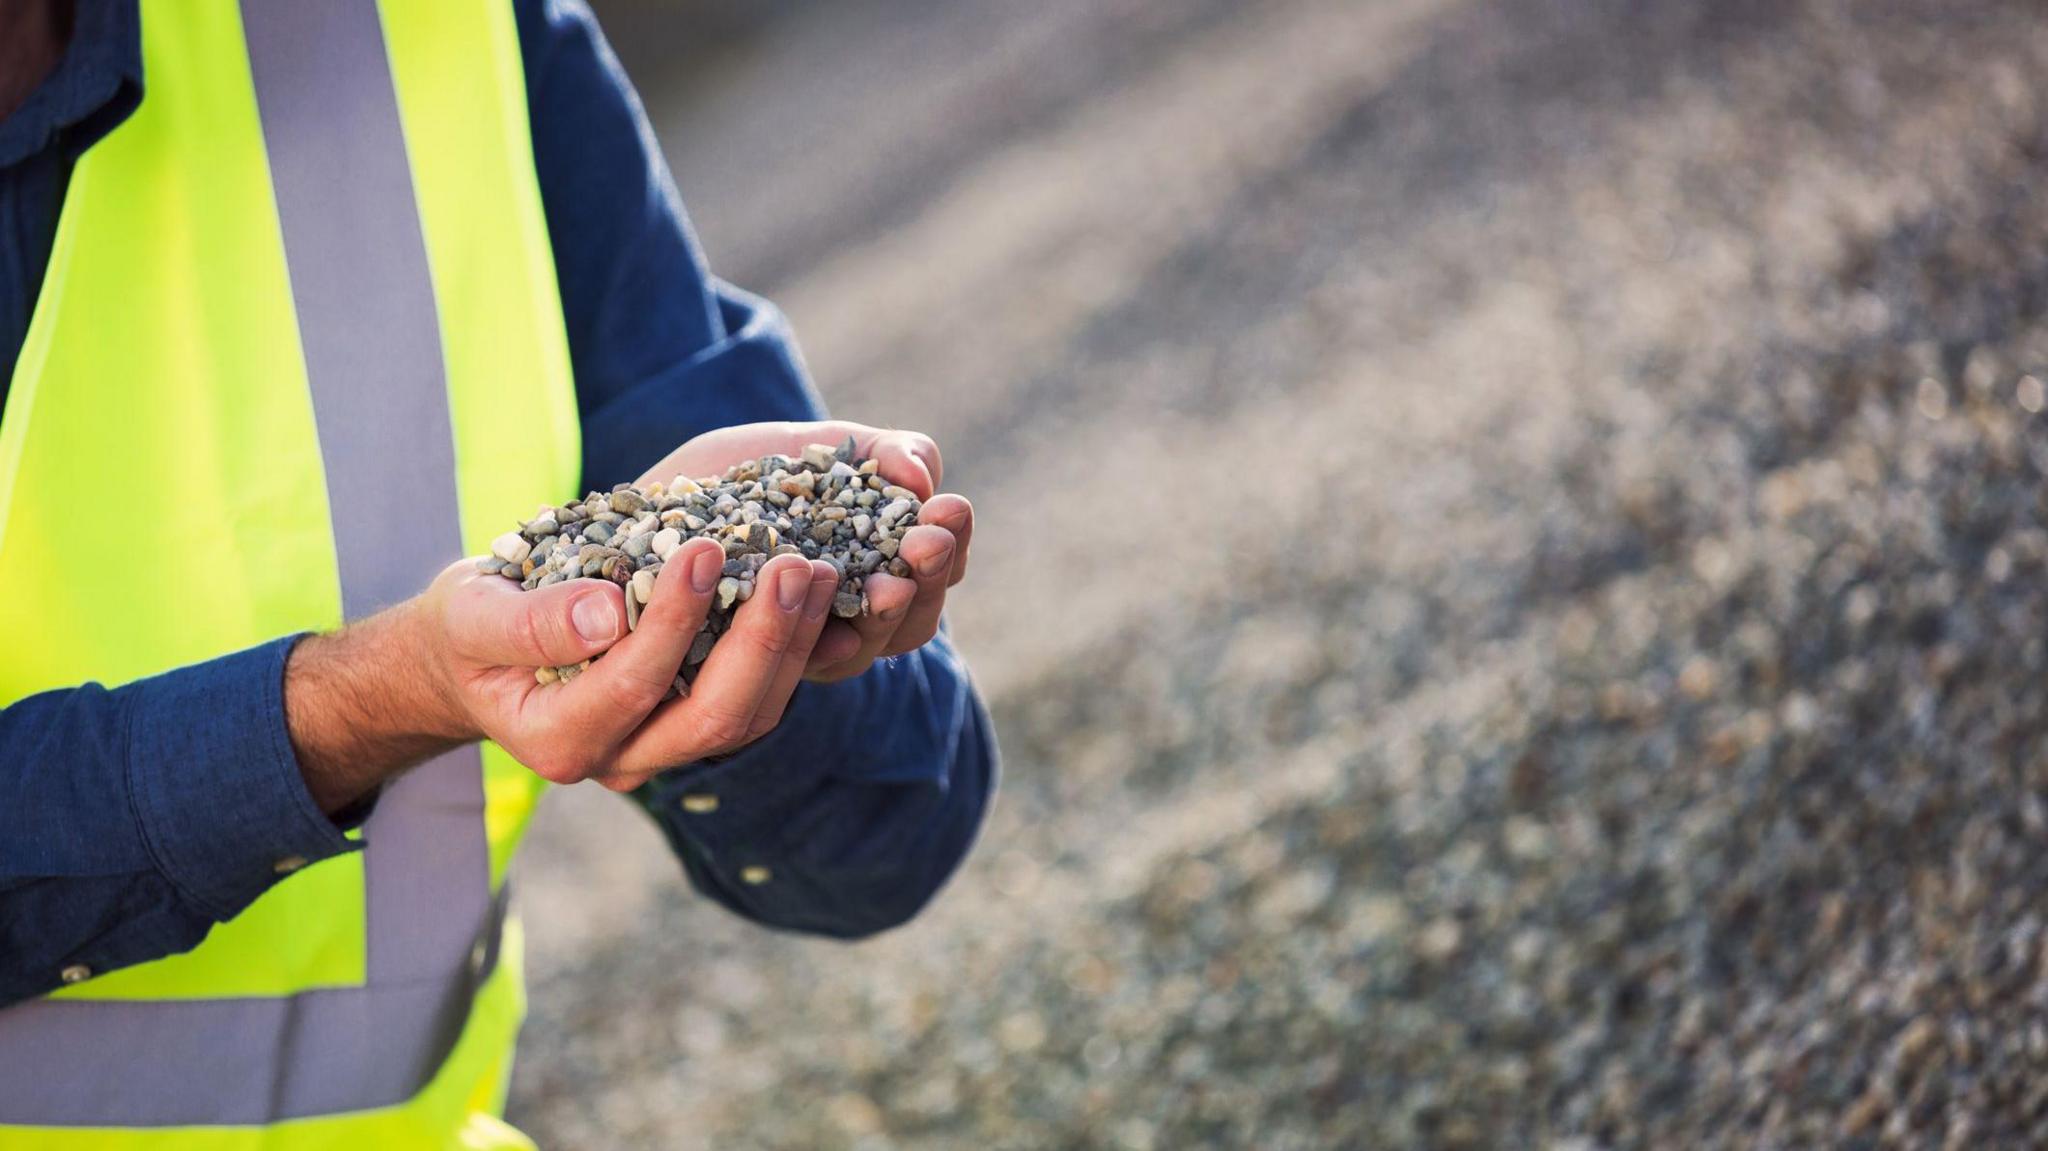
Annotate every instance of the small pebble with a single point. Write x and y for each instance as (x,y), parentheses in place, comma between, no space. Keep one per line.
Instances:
(700,648)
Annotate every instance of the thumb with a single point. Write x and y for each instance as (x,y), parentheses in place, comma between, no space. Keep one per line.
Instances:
(492,621)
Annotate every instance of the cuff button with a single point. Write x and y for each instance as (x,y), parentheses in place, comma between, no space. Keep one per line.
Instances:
(76,973)
(288,864)
(700,803)
(755,876)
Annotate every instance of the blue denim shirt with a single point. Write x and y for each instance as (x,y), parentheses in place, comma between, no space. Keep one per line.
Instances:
(134,819)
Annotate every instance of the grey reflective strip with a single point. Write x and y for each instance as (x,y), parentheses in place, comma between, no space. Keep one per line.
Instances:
(174,1063)
(368,326)
(373,355)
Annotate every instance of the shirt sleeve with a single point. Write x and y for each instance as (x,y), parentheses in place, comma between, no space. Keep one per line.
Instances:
(133,820)
(848,816)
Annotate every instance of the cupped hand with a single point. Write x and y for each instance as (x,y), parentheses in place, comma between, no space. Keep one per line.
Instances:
(485,636)
(903,613)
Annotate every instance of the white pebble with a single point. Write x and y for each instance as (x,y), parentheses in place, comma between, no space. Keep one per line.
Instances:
(666,541)
(643,585)
(728,591)
(511,547)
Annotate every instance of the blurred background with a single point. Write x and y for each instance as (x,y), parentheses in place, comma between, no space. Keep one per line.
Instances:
(1510,578)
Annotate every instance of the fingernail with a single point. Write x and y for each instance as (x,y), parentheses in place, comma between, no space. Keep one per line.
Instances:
(705,568)
(595,619)
(791,587)
(936,563)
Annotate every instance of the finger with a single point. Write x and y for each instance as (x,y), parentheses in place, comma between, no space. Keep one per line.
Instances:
(889,598)
(490,620)
(719,711)
(715,451)
(930,551)
(604,704)
(839,653)
(956,515)
(907,459)
(836,644)
(817,607)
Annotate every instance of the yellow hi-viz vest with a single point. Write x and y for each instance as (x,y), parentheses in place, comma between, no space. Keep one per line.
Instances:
(298,346)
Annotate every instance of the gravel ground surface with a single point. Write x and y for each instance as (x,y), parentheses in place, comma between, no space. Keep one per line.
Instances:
(1579,682)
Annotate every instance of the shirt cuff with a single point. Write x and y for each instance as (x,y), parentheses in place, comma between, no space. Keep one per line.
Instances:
(215,783)
(743,800)
(852,765)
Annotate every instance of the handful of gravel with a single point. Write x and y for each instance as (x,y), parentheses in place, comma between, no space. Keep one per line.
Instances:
(823,505)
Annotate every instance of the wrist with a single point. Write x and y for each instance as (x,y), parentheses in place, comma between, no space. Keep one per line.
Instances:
(365,703)
(415,641)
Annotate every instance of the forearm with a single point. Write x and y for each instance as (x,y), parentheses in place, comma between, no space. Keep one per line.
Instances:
(366,703)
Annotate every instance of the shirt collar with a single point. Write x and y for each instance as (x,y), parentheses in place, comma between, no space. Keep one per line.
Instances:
(95,86)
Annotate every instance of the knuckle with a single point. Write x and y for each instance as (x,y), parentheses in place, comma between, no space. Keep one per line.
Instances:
(723,729)
(766,643)
(632,685)
(531,632)
(641,691)
(561,768)
(802,645)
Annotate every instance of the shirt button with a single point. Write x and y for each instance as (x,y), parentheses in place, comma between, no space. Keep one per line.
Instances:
(756,875)
(700,803)
(76,973)
(288,864)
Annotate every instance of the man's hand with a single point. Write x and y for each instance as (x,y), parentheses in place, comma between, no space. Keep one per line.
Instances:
(456,663)
(903,614)
(610,723)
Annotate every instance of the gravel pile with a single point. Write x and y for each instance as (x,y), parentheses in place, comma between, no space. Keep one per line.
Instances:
(1584,681)
(824,505)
